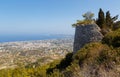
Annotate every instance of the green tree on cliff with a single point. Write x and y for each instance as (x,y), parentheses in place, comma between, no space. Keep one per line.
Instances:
(109,21)
(105,21)
(88,16)
(88,19)
(101,19)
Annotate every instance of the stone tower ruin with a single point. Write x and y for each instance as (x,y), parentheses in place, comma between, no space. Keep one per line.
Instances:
(85,34)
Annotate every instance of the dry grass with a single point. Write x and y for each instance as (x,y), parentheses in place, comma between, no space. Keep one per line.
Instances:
(84,22)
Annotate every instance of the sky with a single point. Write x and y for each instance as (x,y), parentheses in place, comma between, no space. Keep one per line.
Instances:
(48,16)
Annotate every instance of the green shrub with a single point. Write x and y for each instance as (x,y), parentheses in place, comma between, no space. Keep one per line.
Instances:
(83,22)
(65,62)
(88,51)
(62,64)
(112,38)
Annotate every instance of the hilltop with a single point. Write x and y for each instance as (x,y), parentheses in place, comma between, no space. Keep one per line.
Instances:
(98,59)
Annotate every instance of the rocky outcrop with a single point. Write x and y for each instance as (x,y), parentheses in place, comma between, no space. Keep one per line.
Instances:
(85,34)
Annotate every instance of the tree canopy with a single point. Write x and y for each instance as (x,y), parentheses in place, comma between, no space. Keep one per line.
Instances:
(88,15)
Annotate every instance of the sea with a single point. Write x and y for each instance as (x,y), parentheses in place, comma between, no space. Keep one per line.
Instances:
(13,38)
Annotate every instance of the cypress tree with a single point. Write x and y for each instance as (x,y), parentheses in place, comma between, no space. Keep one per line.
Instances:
(109,21)
(101,19)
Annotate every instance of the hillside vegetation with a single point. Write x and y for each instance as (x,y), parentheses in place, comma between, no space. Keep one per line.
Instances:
(98,59)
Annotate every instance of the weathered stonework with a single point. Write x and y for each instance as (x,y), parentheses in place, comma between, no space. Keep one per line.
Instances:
(85,34)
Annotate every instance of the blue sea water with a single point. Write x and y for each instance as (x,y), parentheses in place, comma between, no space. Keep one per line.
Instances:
(12,38)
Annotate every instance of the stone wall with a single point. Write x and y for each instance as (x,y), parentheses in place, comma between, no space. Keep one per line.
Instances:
(85,34)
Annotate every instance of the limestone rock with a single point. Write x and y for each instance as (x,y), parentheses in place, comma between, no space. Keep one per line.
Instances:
(85,34)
